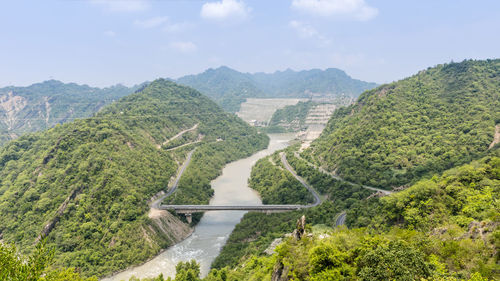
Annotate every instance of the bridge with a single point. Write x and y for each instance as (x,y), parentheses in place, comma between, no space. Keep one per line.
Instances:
(188,210)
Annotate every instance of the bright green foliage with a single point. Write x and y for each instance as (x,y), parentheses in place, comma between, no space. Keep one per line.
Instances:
(396,260)
(43,105)
(92,178)
(460,196)
(398,133)
(187,271)
(230,88)
(357,254)
(15,267)
(277,185)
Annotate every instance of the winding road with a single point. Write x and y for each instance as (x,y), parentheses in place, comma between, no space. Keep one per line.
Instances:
(384,191)
(189,209)
(156,203)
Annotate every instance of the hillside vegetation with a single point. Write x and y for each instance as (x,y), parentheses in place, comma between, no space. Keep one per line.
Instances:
(230,88)
(89,181)
(446,228)
(398,133)
(442,227)
(43,105)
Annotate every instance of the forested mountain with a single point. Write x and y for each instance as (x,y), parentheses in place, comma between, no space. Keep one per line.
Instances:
(43,105)
(400,132)
(87,183)
(446,228)
(227,87)
(291,83)
(230,88)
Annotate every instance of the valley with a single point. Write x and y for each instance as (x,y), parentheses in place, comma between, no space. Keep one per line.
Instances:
(138,173)
(238,140)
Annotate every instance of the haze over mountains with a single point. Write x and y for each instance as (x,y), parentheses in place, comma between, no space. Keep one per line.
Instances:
(43,105)
(230,88)
(435,136)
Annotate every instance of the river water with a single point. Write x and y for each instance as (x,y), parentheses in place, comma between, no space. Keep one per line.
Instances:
(211,233)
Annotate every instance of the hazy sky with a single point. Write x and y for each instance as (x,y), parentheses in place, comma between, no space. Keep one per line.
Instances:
(104,42)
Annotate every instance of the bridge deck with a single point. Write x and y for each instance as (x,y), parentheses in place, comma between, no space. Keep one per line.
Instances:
(203,208)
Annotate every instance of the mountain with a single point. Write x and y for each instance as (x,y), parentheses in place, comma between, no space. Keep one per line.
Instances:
(331,81)
(393,135)
(86,184)
(230,88)
(43,105)
(443,224)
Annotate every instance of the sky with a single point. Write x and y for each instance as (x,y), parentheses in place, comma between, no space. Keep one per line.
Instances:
(105,42)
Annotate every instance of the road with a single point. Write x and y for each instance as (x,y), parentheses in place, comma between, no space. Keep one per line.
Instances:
(317,199)
(385,192)
(181,133)
(188,209)
(156,204)
(340,219)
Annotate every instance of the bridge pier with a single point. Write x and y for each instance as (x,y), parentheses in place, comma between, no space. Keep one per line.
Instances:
(189,217)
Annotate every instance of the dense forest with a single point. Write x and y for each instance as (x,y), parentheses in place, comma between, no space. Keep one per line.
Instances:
(394,135)
(229,88)
(43,105)
(445,228)
(87,183)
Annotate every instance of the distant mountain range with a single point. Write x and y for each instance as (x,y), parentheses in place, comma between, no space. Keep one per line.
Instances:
(229,88)
(43,105)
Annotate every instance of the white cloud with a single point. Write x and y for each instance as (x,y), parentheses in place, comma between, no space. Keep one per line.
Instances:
(306,31)
(123,5)
(347,9)
(151,23)
(225,9)
(183,46)
(110,33)
(178,27)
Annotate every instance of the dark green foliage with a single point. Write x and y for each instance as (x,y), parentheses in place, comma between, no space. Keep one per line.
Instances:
(398,133)
(276,185)
(230,88)
(105,169)
(43,105)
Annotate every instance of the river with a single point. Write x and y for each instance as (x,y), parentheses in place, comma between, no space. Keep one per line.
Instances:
(211,233)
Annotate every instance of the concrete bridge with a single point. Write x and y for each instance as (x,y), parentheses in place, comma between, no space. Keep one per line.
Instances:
(188,210)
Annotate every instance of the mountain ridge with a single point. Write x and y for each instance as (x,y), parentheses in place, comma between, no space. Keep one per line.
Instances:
(230,88)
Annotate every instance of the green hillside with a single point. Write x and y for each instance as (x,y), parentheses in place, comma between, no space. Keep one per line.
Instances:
(92,178)
(445,228)
(230,88)
(43,105)
(400,132)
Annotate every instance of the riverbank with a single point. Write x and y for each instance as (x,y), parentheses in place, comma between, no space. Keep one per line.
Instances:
(214,228)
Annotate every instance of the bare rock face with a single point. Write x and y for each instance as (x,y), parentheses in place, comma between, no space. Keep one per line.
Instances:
(300,231)
(11,105)
(169,225)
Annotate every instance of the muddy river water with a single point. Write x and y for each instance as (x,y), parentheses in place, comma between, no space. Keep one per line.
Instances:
(231,188)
